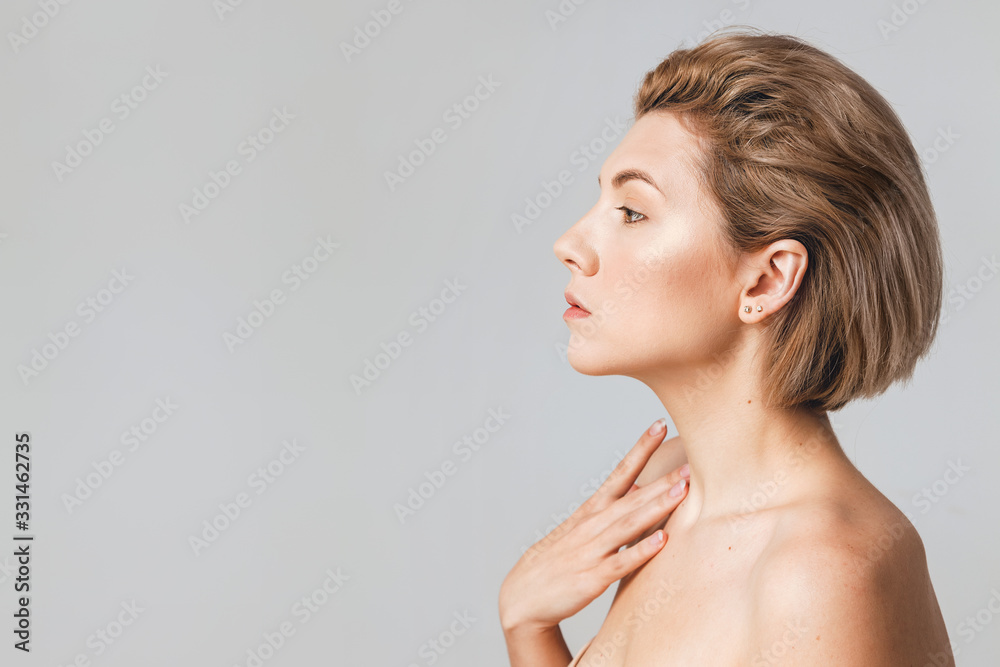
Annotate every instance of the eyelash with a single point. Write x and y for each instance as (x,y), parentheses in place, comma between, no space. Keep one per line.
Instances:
(626,214)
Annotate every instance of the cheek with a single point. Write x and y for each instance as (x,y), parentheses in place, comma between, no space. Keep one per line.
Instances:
(680,291)
(666,304)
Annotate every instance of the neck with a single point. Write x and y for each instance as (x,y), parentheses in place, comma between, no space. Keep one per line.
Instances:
(745,456)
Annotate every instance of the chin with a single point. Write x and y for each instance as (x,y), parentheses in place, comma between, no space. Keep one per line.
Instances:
(587,368)
(588,359)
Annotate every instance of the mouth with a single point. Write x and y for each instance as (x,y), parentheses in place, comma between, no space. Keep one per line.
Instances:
(575,310)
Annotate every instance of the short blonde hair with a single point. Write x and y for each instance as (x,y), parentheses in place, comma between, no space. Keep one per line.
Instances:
(798,146)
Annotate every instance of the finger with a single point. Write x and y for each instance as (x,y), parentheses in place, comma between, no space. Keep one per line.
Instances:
(648,507)
(638,496)
(666,482)
(625,473)
(593,529)
(625,561)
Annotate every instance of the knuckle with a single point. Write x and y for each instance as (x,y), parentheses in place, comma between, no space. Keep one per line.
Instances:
(629,522)
(609,570)
(623,563)
(628,461)
(585,508)
(620,469)
(585,525)
(665,502)
(665,484)
(668,480)
(588,583)
(604,572)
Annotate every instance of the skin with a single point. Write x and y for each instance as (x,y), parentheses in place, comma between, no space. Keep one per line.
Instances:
(779,551)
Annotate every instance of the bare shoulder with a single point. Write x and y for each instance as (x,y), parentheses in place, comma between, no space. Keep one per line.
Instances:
(845,581)
(667,457)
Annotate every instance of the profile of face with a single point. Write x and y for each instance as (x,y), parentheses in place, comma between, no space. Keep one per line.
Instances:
(650,263)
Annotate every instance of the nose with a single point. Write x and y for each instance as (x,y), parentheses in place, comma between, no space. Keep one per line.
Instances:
(573,250)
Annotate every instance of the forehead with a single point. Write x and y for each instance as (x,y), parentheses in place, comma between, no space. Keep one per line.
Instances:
(659,144)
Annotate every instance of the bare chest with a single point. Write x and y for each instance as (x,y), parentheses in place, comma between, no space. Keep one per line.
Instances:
(689,605)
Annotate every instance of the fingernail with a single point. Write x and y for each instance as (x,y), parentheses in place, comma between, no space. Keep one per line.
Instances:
(657,426)
(685,471)
(657,537)
(678,488)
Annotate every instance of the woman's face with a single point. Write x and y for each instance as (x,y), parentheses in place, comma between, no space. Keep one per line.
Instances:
(658,278)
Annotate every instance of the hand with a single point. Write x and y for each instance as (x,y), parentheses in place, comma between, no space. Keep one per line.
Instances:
(575,563)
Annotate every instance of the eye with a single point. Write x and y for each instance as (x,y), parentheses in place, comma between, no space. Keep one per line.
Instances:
(627,214)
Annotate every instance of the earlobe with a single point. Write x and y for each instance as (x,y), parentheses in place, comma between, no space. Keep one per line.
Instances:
(772,277)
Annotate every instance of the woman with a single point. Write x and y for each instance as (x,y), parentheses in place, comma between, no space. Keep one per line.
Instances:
(764,250)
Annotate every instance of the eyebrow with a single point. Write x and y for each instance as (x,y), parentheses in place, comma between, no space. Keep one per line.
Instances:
(626,175)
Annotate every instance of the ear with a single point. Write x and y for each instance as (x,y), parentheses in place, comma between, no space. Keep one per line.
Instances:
(770,277)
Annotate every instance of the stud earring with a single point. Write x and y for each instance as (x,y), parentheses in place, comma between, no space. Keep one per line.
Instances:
(746,309)
(760,308)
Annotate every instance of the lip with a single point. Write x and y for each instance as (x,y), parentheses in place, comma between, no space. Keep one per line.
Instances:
(576,308)
(573,301)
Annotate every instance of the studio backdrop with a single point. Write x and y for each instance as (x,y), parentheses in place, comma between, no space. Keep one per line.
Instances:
(284,375)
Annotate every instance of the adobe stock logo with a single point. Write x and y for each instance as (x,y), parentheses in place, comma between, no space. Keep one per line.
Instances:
(37,21)
(231,510)
(304,609)
(434,648)
(455,115)
(101,639)
(122,107)
(581,158)
(420,319)
(88,309)
(105,468)
(251,146)
(363,35)
(264,309)
(963,292)
(900,16)
(437,477)
(223,7)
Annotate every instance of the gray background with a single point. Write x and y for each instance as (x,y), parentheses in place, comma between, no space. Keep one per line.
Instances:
(494,347)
